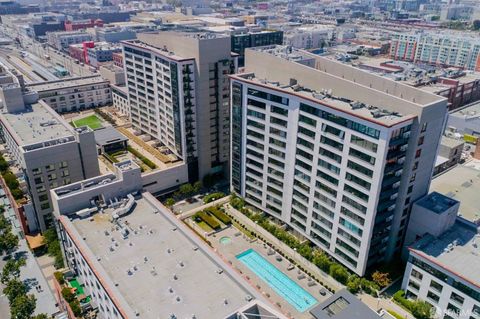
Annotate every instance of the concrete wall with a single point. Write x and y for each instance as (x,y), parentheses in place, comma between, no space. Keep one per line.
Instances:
(163,180)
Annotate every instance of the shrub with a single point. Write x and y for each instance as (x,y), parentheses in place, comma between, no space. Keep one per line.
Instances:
(339,273)
(67,294)
(209,220)
(76,309)
(211,197)
(141,157)
(11,180)
(169,202)
(17,193)
(220,215)
(396,315)
(59,277)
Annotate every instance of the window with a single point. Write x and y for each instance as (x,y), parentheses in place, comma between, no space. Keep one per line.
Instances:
(36,171)
(277,142)
(418,153)
(43,197)
(331,155)
(457,298)
(52,176)
(436,286)
(304,154)
(278,132)
(45,206)
(63,164)
(65,173)
(364,143)
(358,181)
(355,192)
(359,168)
(277,121)
(433,297)
(332,143)
(421,140)
(256,114)
(279,110)
(38,180)
(307,120)
(305,143)
(50,167)
(424,127)
(328,166)
(362,156)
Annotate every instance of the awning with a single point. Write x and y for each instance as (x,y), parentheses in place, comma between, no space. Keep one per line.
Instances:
(34,242)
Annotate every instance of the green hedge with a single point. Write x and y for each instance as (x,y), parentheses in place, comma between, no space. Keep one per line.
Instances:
(215,211)
(214,196)
(396,315)
(209,220)
(139,155)
(419,308)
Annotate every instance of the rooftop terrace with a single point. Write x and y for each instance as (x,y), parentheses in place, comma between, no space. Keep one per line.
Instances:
(159,268)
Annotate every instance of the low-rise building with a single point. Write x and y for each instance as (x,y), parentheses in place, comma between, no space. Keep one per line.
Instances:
(449,154)
(343,305)
(101,53)
(63,39)
(74,25)
(135,258)
(442,267)
(109,140)
(460,183)
(465,121)
(74,94)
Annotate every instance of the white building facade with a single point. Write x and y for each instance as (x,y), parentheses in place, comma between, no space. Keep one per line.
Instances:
(339,176)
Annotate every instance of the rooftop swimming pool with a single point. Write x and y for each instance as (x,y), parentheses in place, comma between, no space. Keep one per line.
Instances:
(277,280)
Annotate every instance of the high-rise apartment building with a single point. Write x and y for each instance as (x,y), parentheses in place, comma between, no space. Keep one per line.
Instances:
(178,90)
(437,48)
(49,152)
(336,153)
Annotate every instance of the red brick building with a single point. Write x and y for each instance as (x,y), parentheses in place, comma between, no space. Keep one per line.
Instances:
(82,24)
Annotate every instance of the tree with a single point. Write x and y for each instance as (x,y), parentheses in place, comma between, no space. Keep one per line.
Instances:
(11,270)
(186,189)
(381,278)
(8,242)
(76,309)
(353,284)
(170,202)
(197,186)
(322,261)
(68,294)
(17,193)
(23,307)
(14,289)
(11,180)
(3,165)
(339,273)
(421,309)
(40,316)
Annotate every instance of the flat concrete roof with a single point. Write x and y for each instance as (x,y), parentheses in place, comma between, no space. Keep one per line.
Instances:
(108,135)
(451,142)
(66,83)
(437,202)
(456,250)
(463,184)
(343,305)
(156,251)
(36,124)
(360,109)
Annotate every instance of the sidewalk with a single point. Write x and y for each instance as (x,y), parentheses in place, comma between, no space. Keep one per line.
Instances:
(286,250)
(384,303)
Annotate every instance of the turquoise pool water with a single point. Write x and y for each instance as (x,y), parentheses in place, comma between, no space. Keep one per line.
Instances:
(277,280)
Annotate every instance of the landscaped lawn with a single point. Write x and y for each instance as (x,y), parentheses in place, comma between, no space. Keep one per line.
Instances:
(91,121)
(204,226)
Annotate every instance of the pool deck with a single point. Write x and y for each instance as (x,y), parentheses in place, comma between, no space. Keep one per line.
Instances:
(241,243)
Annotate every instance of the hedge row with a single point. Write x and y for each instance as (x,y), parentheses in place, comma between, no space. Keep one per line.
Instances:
(419,308)
(139,155)
(215,211)
(209,220)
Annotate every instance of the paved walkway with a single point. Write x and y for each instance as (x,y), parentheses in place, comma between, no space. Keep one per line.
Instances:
(32,276)
(384,303)
(192,212)
(286,250)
